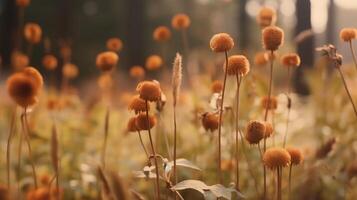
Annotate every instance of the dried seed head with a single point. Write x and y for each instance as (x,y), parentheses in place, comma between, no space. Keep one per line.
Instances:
(19,60)
(114,44)
(268,129)
(70,71)
(137,72)
(221,42)
(161,34)
(153,62)
(348,34)
(296,155)
(255,131)
(176,77)
(180,21)
(266,17)
(22,3)
(49,62)
(105,81)
(106,61)
(210,121)
(217,86)
(137,104)
(149,91)
(142,123)
(131,127)
(238,65)
(32,33)
(22,89)
(273,38)
(261,59)
(276,157)
(290,60)
(271,105)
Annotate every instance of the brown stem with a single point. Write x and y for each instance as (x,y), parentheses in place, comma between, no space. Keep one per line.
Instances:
(11,133)
(142,144)
(289,107)
(19,155)
(175,146)
(348,92)
(353,54)
(106,131)
(153,151)
(290,169)
(279,174)
(25,129)
(239,79)
(220,124)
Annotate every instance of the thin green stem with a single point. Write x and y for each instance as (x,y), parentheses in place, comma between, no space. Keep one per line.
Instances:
(153,151)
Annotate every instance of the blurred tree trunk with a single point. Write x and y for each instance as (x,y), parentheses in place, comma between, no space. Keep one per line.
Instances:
(9,26)
(330,31)
(305,48)
(243,25)
(135,45)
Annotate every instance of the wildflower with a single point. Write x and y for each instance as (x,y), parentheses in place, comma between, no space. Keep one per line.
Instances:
(176,77)
(270,104)
(137,72)
(19,60)
(217,86)
(114,44)
(268,129)
(137,104)
(131,127)
(272,37)
(276,157)
(210,121)
(237,65)
(290,60)
(106,61)
(49,62)
(105,81)
(142,122)
(266,17)
(180,21)
(255,132)
(70,70)
(221,42)
(33,33)
(261,58)
(149,91)
(296,155)
(153,62)
(348,34)
(162,34)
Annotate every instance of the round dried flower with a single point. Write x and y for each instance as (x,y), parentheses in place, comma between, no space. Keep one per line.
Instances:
(161,34)
(271,105)
(142,122)
(238,64)
(43,193)
(272,37)
(348,34)
(153,62)
(149,91)
(276,157)
(261,59)
(131,127)
(255,131)
(221,42)
(22,89)
(296,155)
(114,44)
(217,86)
(137,72)
(106,61)
(290,60)
(266,17)
(180,21)
(268,129)
(70,71)
(22,3)
(49,62)
(210,121)
(32,33)
(137,104)
(19,60)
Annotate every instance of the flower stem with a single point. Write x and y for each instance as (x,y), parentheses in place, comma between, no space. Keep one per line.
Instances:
(279,170)
(8,149)
(353,53)
(142,144)
(220,124)
(153,151)
(289,107)
(347,90)
(25,129)
(175,146)
(106,131)
(290,169)
(239,79)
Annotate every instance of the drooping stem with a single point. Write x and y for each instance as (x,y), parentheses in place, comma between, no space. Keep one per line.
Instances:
(153,151)
(239,79)
(347,90)
(142,144)
(106,130)
(25,129)
(266,114)
(220,124)
(353,53)
(289,107)
(8,147)
(290,170)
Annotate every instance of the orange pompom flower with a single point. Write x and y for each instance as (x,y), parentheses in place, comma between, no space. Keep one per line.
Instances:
(114,44)
(221,42)
(180,21)
(255,131)
(348,34)
(153,62)
(70,71)
(237,65)
(296,155)
(137,104)
(162,34)
(290,60)
(142,122)
(276,157)
(266,17)
(33,33)
(49,62)
(210,121)
(137,72)
(149,91)
(106,61)
(217,86)
(273,37)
